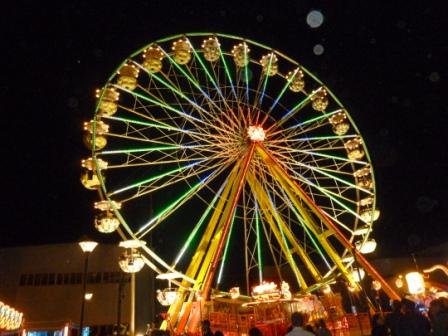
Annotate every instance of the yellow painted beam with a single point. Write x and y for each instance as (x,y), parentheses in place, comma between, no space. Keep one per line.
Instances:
(197,261)
(293,194)
(297,190)
(270,214)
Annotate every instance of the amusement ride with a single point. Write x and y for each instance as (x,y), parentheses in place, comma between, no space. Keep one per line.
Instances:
(245,164)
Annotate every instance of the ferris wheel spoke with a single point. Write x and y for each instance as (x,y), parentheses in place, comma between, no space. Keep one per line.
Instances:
(165,265)
(141,139)
(299,125)
(289,114)
(278,226)
(200,150)
(226,250)
(252,237)
(148,149)
(153,122)
(241,120)
(233,96)
(216,87)
(176,90)
(214,108)
(158,219)
(200,136)
(341,168)
(191,81)
(334,177)
(280,95)
(175,179)
(227,72)
(198,225)
(275,251)
(319,154)
(297,196)
(259,249)
(204,114)
(162,105)
(334,196)
(326,172)
(337,221)
(290,136)
(157,177)
(139,160)
(185,73)
(307,231)
(259,96)
(244,116)
(246,79)
(157,125)
(324,137)
(132,164)
(311,163)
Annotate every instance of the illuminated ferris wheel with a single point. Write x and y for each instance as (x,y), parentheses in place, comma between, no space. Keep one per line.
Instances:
(240,158)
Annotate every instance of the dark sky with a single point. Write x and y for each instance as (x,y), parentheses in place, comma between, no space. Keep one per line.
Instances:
(386,62)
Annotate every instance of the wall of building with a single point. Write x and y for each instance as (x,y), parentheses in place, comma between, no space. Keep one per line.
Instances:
(45,283)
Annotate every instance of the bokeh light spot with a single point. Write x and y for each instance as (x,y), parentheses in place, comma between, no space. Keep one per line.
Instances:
(318,49)
(434,76)
(315,18)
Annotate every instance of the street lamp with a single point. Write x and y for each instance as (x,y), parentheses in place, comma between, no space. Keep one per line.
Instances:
(87,247)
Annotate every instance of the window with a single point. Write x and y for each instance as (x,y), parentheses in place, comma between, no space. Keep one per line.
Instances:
(116,276)
(78,278)
(59,279)
(66,279)
(30,280)
(37,279)
(73,278)
(44,279)
(51,278)
(22,281)
(94,278)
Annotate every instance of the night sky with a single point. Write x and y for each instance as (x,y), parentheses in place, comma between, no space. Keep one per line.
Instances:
(387,63)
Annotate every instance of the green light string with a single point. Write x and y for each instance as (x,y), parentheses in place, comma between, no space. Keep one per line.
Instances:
(305,228)
(257,225)
(153,178)
(197,227)
(224,257)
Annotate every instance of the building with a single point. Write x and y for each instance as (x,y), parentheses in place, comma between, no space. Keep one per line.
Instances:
(45,283)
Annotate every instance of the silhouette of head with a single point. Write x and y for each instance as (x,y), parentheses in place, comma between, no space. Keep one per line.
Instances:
(297,319)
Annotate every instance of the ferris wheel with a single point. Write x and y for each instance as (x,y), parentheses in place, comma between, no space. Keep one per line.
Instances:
(238,159)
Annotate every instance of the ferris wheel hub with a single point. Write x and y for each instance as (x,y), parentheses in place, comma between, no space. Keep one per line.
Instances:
(256,133)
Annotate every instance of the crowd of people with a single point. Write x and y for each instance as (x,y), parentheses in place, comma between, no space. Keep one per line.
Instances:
(406,320)
(403,320)
(297,328)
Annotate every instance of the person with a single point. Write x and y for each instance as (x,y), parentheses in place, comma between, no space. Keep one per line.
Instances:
(297,321)
(206,328)
(391,320)
(310,328)
(254,331)
(379,326)
(412,323)
(321,328)
(438,316)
